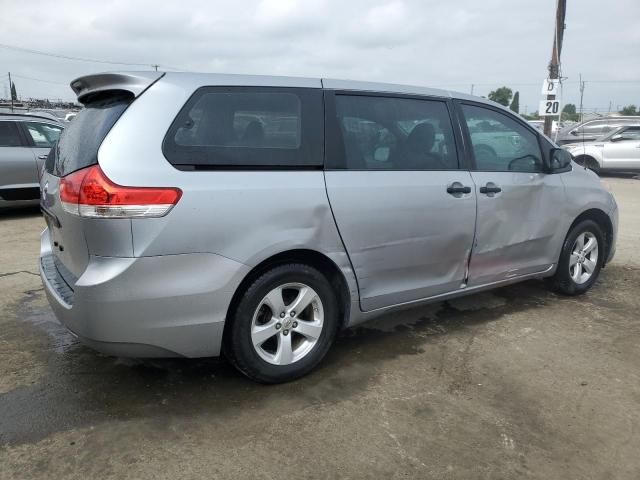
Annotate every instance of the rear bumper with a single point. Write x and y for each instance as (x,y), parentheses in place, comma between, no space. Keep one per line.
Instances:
(173,305)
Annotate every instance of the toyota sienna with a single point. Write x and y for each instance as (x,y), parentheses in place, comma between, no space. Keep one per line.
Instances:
(194,214)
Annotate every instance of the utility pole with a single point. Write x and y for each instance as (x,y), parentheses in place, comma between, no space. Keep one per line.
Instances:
(11,91)
(554,65)
(581,96)
(156,67)
(472,85)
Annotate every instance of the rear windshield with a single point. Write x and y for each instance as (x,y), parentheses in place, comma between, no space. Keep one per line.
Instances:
(79,143)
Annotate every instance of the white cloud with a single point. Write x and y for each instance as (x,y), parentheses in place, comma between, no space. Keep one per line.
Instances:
(425,42)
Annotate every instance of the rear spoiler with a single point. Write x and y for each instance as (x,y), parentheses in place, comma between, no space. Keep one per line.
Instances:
(134,82)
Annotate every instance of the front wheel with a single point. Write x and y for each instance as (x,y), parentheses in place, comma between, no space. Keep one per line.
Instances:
(581,259)
(283,325)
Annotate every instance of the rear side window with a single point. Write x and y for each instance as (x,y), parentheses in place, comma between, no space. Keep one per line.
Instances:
(43,135)
(79,143)
(9,135)
(389,133)
(230,127)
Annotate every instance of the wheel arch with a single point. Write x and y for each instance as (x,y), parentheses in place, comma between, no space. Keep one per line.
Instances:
(585,158)
(603,220)
(309,257)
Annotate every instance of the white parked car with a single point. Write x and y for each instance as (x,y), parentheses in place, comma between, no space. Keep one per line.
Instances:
(618,150)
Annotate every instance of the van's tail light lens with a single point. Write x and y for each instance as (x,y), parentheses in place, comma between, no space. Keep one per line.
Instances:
(89,193)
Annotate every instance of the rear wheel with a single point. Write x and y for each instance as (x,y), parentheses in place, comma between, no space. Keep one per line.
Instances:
(581,259)
(283,325)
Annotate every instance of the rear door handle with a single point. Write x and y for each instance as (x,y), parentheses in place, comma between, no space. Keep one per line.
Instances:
(43,157)
(456,188)
(490,188)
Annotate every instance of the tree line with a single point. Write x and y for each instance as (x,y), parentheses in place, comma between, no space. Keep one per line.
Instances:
(505,96)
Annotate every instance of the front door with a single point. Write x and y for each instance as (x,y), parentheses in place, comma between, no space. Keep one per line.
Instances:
(624,152)
(403,206)
(516,226)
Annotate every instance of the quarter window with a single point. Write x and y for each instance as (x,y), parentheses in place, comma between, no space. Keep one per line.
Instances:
(9,136)
(501,143)
(244,126)
(389,133)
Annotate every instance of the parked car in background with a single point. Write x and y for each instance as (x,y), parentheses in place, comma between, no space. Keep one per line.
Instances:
(618,150)
(590,130)
(45,114)
(539,125)
(25,142)
(194,214)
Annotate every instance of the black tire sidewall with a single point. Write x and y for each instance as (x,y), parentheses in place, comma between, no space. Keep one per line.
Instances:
(563,279)
(243,354)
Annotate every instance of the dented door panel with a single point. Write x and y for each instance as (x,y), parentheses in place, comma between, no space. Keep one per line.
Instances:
(519,227)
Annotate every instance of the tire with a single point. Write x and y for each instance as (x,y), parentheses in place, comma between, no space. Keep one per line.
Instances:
(258,315)
(568,281)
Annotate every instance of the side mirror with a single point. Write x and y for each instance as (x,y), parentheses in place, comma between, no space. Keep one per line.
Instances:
(617,137)
(560,160)
(574,133)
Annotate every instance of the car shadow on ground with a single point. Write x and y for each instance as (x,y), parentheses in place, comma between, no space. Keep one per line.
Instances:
(16,213)
(81,387)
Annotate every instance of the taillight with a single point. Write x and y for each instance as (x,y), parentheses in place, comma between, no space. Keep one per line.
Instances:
(89,193)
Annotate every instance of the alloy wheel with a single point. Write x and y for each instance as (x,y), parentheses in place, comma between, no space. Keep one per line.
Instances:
(287,323)
(584,257)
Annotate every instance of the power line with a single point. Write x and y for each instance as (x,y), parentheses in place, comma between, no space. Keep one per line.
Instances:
(39,80)
(77,59)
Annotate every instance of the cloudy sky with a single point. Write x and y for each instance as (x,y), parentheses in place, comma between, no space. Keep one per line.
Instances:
(448,44)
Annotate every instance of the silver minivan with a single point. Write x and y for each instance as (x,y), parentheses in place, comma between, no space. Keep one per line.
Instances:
(195,214)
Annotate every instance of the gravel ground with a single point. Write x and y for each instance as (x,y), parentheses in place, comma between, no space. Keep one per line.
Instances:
(515,383)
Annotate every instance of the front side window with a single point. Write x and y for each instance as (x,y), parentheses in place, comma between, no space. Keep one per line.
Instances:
(388,133)
(244,126)
(501,143)
(9,136)
(43,135)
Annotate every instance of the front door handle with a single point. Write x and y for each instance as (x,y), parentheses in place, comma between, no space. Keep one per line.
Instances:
(490,189)
(456,188)
(43,157)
